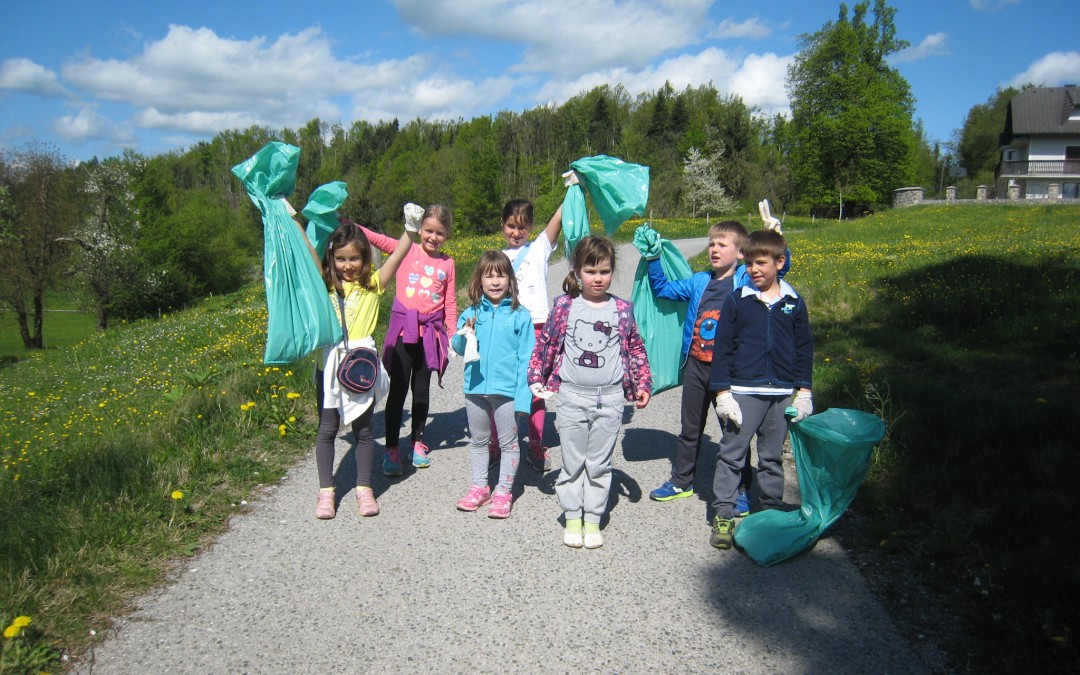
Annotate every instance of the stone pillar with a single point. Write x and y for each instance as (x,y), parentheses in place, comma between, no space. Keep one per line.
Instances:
(950,193)
(980,193)
(908,196)
(1014,191)
(1053,191)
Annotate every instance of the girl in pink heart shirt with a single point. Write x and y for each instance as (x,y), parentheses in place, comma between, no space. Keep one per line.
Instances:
(417,339)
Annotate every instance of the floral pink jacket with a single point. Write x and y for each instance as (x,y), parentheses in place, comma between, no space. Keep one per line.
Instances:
(548,354)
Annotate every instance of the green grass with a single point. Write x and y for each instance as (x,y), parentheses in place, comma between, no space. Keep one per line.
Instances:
(61,329)
(957,324)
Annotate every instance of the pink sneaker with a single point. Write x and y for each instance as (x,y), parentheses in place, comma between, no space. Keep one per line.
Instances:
(420,455)
(476,497)
(324,505)
(500,504)
(365,502)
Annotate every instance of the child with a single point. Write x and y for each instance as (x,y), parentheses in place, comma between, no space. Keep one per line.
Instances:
(530,264)
(763,352)
(417,339)
(705,293)
(495,385)
(591,353)
(349,275)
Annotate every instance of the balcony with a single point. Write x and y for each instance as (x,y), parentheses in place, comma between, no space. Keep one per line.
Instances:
(1040,168)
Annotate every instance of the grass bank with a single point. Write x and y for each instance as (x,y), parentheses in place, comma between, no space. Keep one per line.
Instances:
(129,449)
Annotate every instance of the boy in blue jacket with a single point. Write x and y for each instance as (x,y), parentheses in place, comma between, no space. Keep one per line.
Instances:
(763,353)
(705,293)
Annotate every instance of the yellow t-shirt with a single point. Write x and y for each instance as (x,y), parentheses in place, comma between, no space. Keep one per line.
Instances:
(361,307)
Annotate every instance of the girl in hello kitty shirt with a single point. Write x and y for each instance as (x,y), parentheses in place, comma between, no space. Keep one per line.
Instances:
(591,354)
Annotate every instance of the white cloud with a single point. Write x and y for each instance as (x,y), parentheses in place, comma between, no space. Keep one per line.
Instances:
(194,81)
(751,28)
(24,75)
(435,98)
(935,44)
(758,79)
(87,124)
(1055,68)
(991,5)
(568,39)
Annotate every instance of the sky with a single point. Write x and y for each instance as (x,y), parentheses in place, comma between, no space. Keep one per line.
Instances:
(94,78)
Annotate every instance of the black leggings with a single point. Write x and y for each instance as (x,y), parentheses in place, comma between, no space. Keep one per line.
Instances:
(408,366)
(329,423)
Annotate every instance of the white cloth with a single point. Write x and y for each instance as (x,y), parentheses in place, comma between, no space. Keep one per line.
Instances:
(532,276)
(350,405)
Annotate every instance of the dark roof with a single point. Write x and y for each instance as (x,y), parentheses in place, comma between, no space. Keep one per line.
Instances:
(1044,110)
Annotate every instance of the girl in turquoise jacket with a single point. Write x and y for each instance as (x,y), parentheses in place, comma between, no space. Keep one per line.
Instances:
(495,335)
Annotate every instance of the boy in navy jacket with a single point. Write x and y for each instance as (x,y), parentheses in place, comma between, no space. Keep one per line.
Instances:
(762,355)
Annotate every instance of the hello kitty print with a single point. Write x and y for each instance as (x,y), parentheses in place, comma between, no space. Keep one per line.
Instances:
(592,345)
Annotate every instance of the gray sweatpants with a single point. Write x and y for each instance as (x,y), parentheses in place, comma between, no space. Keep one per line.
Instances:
(480,409)
(589,422)
(763,415)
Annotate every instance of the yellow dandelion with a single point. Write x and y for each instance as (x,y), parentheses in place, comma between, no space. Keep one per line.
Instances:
(12,631)
(21,621)
(281,429)
(177,495)
(292,394)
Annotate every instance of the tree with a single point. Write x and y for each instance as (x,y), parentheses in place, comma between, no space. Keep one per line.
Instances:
(109,232)
(703,186)
(977,146)
(851,112)
(38,208)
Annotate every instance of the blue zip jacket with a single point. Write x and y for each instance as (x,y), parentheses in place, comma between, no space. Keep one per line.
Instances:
(505,339)
(690,291)
(761,346)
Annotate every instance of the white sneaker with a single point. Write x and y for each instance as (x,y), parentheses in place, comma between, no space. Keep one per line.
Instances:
(593,538)
(572,534)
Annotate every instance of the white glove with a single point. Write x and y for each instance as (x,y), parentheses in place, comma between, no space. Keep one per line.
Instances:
(727,408)
(571,177)
(413,215)
(288,206)
(768,220)
(472,348)
(804,405)
(539,391)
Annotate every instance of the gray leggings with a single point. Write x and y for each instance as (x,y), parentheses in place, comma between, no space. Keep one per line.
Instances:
(325,437)
(480,409)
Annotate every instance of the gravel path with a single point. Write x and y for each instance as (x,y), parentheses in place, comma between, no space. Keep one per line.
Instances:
(426,588)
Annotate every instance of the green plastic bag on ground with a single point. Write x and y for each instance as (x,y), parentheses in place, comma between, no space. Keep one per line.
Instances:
(300,316)
(659,321)
(321,212)
(619,190)
(832,454)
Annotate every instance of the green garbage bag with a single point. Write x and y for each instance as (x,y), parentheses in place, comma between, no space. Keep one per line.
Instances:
(619,190)
(659,321)
(832,454)
(300,316)
(575,219)
(322,212)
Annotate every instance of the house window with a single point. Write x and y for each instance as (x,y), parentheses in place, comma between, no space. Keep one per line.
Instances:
(1072,159)
(1010,155)
(1070,190)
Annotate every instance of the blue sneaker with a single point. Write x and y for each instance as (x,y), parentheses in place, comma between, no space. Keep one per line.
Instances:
(742,504)
(391,462)
(668,491)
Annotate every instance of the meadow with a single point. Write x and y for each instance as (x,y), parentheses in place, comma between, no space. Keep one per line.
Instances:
(127,450)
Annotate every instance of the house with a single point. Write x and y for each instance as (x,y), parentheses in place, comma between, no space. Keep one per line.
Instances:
(1040,146)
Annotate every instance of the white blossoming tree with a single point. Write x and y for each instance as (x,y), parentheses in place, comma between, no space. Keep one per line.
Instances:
(703,185)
